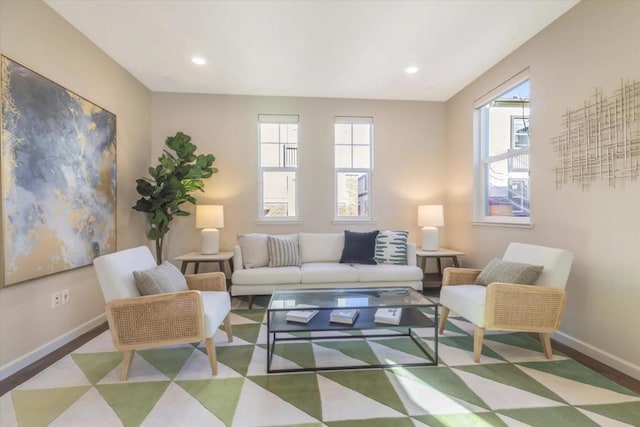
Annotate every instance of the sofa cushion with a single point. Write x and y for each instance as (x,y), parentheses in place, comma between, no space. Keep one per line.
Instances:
(328,272)
(283,251)
(266,276)
(161,279)
(359,248)
(508,272)
(388,273)
(320,247)
(391,247)
(254,250)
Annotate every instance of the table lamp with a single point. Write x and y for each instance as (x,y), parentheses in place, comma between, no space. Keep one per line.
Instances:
(209,218)
(430,217)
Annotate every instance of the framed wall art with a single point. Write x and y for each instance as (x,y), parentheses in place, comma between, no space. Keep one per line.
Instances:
(58,177)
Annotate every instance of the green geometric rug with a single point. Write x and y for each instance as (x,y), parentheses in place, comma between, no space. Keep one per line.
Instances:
(514,385)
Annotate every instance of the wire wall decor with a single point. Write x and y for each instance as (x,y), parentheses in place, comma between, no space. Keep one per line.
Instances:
(601,140)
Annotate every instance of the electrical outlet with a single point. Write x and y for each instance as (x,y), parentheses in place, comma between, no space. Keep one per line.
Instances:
(55,299)
(65,296)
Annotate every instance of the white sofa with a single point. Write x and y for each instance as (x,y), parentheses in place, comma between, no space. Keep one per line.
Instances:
(321,268)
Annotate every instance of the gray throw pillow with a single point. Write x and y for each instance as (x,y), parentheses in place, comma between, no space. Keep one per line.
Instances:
(161,279)
(283,251)
(391,247)
(508,272)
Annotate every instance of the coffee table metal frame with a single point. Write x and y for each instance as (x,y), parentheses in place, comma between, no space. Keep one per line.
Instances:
(411,318)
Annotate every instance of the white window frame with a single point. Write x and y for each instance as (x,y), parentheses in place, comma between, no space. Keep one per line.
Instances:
(278,119)
(480,160)
(367,171)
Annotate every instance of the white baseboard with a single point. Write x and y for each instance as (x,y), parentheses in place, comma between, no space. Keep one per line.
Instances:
(608,359)
(37,354)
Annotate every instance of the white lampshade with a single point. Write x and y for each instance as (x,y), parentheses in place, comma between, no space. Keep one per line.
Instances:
(209,218)
(430,217)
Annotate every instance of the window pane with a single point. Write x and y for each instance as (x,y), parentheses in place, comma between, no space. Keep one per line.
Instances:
(507,188)
(343,156)
(506,119)
(269,132)
(361,134)
(343,134)
(279,192)
(353,194)
(292,134)
(361,157)
(269,155)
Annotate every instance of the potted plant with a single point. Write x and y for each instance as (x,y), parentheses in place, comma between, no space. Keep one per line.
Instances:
(179,172)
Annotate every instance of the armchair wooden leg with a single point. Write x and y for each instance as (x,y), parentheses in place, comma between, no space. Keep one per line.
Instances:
(126,364)
(211,352)
(227,327)
(478,335)
(546,345)
(443,319)
(250,302)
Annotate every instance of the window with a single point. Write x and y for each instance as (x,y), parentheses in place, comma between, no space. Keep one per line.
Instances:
(502,162)
(353,154)
(278,138)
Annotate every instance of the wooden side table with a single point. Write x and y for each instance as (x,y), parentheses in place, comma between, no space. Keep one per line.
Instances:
(197,258)
(440,253)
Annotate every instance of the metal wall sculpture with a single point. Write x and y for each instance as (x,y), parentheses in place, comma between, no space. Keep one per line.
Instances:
(58,177)
(601,141)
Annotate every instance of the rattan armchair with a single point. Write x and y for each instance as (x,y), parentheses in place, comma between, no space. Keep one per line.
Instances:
(139,322)
(510,307)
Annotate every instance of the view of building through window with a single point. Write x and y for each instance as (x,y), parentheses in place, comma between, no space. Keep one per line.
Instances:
(504,147)
(353,146)
(278,165)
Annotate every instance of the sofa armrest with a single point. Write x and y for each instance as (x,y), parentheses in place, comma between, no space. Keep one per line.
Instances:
(238,262)
(153,320)
(215,281)
(526,308)
(459,276)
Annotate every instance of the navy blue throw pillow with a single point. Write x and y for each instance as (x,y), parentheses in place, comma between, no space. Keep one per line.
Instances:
(359,248)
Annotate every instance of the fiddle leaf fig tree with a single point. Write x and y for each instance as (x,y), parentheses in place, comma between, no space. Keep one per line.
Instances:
(179,172)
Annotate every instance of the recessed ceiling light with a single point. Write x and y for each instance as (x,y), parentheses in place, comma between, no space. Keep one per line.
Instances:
(411,70)
(198,60)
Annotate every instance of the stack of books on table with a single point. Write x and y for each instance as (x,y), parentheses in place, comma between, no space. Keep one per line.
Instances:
(388,315)
(301,316)
(344,315)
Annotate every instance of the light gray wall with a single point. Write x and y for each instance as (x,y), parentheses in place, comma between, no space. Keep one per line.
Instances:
(32,34)
(595,44)
(408,153)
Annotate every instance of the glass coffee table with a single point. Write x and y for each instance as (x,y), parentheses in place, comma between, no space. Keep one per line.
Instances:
(367,301)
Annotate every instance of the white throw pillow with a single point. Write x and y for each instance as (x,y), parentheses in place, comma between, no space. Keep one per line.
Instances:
(391,247)
(254,250)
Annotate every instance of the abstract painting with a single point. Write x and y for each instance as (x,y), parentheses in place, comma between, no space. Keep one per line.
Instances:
(58,177)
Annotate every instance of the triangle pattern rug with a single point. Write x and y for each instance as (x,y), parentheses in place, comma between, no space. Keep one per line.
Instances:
(514,385)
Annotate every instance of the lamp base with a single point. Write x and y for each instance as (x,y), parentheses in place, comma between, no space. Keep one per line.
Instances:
(429,239)
(210,241)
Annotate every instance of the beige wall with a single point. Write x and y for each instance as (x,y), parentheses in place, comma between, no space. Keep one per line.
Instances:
(595,44)
(32,34)
(408,152)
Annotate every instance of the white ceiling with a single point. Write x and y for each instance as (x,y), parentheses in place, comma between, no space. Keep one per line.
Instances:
(317,48)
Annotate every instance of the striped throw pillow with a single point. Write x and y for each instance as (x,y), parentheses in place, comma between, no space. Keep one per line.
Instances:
(391,247)
(283,251)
